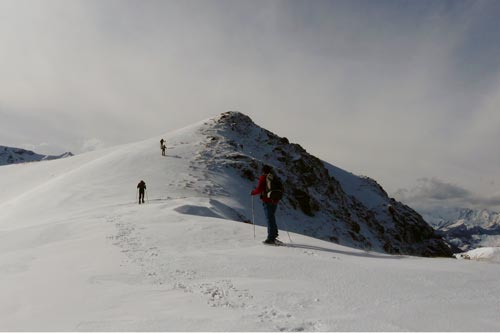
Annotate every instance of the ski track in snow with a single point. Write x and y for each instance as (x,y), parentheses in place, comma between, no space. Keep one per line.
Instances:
(159,269)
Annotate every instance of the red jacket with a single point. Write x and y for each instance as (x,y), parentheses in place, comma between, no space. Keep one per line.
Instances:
(261,189)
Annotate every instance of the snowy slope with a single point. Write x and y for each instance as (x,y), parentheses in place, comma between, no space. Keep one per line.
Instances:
(77,253)
(10,155)
(491,254)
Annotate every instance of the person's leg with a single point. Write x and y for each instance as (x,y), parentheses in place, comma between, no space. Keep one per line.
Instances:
(272,228)
(272,221)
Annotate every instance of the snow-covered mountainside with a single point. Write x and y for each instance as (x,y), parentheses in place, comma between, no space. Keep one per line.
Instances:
(320,200)
(77,253)
(10,155)
(466,229)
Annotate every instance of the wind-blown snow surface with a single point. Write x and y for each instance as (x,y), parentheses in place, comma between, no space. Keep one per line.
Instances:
(77,253)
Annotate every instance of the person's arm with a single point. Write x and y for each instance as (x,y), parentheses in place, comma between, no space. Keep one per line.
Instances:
(261,187)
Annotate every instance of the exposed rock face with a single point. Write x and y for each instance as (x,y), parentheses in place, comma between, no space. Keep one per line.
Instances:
(10,155)
(327,202)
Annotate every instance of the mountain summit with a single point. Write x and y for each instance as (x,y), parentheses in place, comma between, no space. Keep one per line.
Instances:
(320,199)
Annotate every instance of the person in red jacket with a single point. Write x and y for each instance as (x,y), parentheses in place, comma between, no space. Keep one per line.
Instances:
(269,205)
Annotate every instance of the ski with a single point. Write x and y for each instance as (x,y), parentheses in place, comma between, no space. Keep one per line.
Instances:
(276,243)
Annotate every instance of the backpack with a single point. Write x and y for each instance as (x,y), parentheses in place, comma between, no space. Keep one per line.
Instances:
(274,187)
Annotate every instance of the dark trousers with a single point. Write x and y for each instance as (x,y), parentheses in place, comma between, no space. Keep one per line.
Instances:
(272,227)
(141,196)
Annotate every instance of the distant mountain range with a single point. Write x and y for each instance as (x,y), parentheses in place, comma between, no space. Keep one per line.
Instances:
(466,229)
(12,155)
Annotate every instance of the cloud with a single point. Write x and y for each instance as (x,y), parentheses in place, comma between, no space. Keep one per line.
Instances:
(431,193)
(435,189)
(396,90)
(92,144)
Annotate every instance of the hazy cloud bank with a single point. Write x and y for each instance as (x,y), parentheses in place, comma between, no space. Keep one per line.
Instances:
(435,193)
(396,90)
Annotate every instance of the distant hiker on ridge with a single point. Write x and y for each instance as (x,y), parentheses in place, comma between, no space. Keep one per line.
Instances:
(271,191)
(142,188)
(163,147)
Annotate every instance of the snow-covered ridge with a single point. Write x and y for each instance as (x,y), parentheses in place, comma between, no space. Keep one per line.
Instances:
(11,155)
(221,160)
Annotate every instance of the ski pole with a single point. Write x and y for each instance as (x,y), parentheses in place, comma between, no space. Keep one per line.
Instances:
(147,198)
(253,219)
(286,227)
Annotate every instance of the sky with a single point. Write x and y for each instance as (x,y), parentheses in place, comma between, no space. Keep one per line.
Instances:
(405,92)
